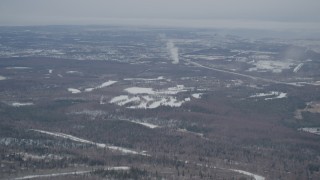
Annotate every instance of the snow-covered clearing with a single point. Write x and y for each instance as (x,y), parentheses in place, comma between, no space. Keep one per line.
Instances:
(316,83)
(140,90)
(175,90)
(270,95)
(105,84)
(279,95)
(18,104)
(144,79)
(190,132)
(148,98)
(93,113)
(206,57)
(146,102)
(118,168)
(40,176)
(73,72)
(315,130)
(272,66)
(312,107)
(18,68)
(100,145)
(197,95)
(171,90)
(2,78)
(313,83)
(74,91)
(123,100)
(149,125)
(297,68)
(26,156)
(255,176)
(152,126)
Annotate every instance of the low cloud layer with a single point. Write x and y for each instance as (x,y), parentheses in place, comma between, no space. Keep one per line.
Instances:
(84,11)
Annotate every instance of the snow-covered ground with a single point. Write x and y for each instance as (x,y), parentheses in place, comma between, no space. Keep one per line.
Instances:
(297,68)
(148,98)
(18,68)
(175,90)
(124,99)
(118,168)
(105,84)
(26,156)
(186,131)
(315,130)
(255,176)
(316,83)
(270,95)
(272,66)
(2,78)
(312,107)
(100,145)
(152,126)
(206,57)
(19,104)
(140,90)
(147,101)
(149,125)
(313,83)
(74,91)
(73,72)
(41,176)
(144,79)
(92,113)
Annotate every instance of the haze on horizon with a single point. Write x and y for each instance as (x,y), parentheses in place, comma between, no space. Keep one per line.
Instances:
(190,13)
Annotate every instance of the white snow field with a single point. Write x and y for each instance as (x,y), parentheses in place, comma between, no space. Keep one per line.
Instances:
(105,84)
(18,68)
(148,98)
(2,78)
(271,66)
(270,95)
(297,68)
(40,176)
(19,104)
(315,130)
(148,125)
(255,176)
(197,95)
(145,79)
(74,91)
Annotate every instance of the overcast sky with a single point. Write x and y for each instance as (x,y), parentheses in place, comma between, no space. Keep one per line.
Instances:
(295,13)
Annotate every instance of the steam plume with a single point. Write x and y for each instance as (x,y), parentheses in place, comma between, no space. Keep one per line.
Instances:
(173,51)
